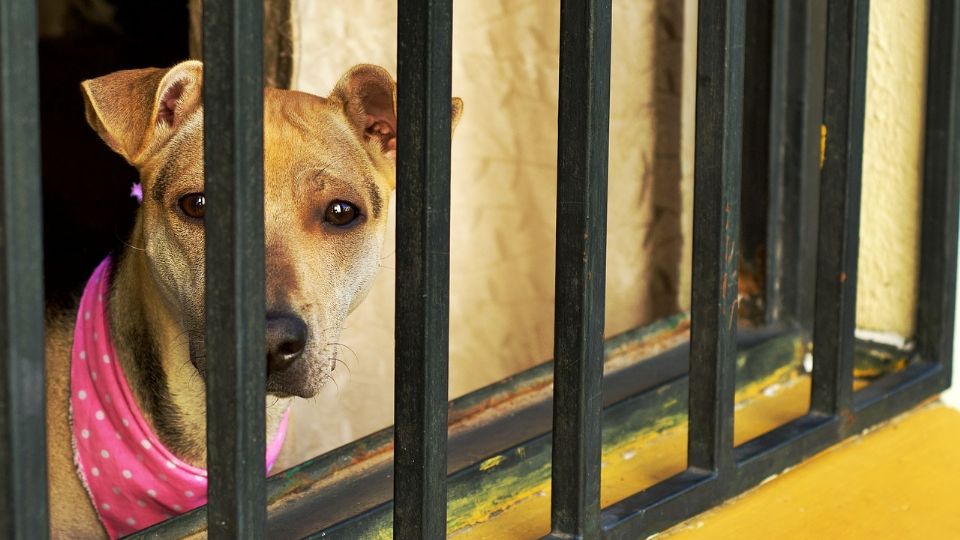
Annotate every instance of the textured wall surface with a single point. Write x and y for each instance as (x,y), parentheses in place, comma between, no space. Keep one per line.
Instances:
(505,68)
(504,154)
(892,161)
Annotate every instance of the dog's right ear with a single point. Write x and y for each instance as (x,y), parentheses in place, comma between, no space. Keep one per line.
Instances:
(135,111)
(368,95)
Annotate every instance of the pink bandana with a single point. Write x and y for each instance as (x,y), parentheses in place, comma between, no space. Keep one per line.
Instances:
(133,480)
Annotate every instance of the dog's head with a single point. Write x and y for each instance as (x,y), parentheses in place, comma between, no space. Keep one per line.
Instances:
(329,170)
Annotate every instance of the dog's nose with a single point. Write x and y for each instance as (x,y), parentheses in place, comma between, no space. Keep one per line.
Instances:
(286,339)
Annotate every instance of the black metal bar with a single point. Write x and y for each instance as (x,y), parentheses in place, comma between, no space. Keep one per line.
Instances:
(716,210)
(896,393)
(233,161)
(23,486)
(784,446)
(584,115)
(804,174)
(792,259)
(938,248)
(839,223)
(783,57)
(794,165)
(424,49)
(660,506)
(761,139)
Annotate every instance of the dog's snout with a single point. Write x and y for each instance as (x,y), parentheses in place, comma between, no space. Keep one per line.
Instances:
(286,340)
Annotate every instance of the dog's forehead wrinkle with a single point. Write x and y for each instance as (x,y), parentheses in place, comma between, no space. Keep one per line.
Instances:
(316,175)
(311,117)
(293,117)
(173,166)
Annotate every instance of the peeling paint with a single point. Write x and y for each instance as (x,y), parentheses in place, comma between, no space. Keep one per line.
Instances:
(491,463)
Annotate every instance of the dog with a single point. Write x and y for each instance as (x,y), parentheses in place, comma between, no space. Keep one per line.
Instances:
(329,170)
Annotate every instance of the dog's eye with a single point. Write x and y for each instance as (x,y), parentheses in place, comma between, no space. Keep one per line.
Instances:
(340,213)
(194,205)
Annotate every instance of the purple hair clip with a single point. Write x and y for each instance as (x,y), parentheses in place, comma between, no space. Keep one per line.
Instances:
(136,191)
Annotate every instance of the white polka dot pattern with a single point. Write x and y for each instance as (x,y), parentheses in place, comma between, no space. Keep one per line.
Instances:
(134,481)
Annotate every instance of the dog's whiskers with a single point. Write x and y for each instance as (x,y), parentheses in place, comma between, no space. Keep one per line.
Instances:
(333,359)
(330,378)
(356,356)
(349,371)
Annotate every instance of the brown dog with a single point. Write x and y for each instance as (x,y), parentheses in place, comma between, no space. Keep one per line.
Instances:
(329,172)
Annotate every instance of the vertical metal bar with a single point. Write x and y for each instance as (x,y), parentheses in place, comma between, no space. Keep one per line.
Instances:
(233,161)
(23,486)
(798,166)
(424,41)
(758,236)
(938,251)
(716,233)
(777,235)
(839,223)
(584,114)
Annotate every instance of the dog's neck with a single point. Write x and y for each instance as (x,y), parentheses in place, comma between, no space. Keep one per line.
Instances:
(153,349)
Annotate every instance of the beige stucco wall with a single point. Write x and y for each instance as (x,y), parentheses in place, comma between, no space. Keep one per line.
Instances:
(505,67)
(503,175)
(893,142)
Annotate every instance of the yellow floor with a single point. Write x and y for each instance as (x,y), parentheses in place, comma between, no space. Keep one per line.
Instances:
(901,481)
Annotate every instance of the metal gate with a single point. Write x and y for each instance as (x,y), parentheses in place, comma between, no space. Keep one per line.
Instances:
(716,468)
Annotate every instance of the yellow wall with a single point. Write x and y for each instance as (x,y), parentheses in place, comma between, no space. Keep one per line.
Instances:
(893,139)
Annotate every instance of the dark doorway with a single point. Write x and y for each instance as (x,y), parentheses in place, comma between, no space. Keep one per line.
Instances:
(87,208)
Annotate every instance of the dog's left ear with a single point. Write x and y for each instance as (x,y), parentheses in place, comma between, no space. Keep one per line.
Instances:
(369,97)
